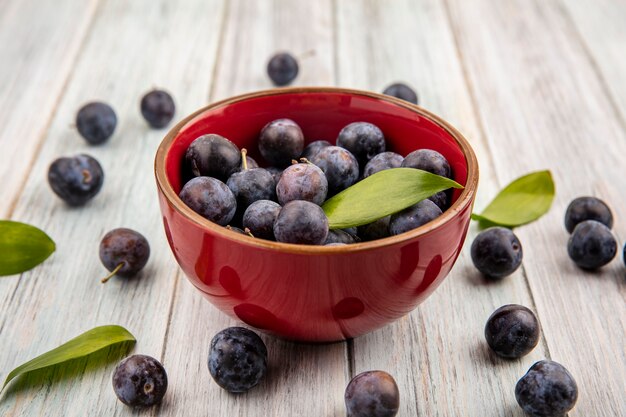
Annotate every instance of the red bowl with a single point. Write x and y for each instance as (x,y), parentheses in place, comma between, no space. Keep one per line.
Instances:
(315,293)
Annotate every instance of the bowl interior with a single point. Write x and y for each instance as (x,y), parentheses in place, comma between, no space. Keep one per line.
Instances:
(321,115)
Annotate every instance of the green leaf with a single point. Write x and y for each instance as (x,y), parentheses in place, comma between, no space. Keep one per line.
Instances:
(522,201)
(23,247)
(83,345)
(382,194)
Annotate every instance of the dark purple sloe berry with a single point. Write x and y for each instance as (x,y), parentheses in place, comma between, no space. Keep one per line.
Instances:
(496,252)
(587,208)
(428,160)
(441,199)
(140,381)
(210,198)
(282,68)
(372,394)
(303,181)
(213,156)
(382,161)
(158,108)
(378,229)
(301,222)
(276,173)
(124,252)
(76,179)
(363,140)
(512,331)
(237,359)
(96,122)
(259,218)
(547,390)
(250,185)
(591,245)
(313,148)
(340,236)
(401,91)
(280,142)
(351,230)
(340,167)
(413,217)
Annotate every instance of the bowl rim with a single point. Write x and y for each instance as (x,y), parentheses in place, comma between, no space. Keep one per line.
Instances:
(174,200)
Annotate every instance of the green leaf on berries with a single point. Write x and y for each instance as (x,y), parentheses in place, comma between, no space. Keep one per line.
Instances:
(22,247)
(384,193)
(524,200)
(87,343)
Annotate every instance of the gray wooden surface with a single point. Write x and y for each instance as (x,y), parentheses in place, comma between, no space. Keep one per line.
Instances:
(533,84)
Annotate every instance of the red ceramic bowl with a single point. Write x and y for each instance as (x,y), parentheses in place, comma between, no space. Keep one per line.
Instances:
(315,293)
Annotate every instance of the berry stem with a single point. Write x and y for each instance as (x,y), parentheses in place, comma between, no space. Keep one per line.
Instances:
(244,160)
(248,232)
(115,271)
(306,161)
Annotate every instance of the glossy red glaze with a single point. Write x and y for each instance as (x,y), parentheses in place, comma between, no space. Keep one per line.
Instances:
(315,293)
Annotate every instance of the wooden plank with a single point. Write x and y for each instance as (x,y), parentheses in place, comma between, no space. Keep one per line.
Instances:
(544,106)
(437,354)
(132,46)
(39,42)
(302,379)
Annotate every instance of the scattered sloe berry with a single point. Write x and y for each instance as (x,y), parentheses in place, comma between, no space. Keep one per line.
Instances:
(496,252)
(372,394)
(96,122)
(414,216)
(158,108)
(512,331)
(213,156)
(547,390)
(401,91)
(364,140)
(210,198)
(237,359)
(124,252)
(591,245)
(301,222)
(282,68)
(587,208)
(76,179)
(140,381)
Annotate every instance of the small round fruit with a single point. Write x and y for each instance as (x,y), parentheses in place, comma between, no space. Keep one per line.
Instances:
(302,182)
(237,359)
(441,199)
(364,140)
(282,68)
(401,91)
(77,179)
(276,173)
(547,390)
(496,252)
(313,148)
(140,381)
(512,331)
(259,218)
(428,160)
(372,394)
(381,162)
(124,252)
(587,208)
(301,222)
(591,245)
(210,198)
(213,156)
(158,108)
(340,236)
(378,229)
(281,141)
(413,217)
(96,122)
(340,167)
(251,185)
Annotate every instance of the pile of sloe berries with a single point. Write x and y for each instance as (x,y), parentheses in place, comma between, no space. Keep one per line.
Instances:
(283,202)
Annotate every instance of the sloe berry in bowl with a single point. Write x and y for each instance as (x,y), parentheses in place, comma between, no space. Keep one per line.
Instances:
(294,290)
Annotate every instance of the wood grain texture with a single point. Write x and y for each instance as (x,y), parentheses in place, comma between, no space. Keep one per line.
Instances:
(543,106)
(132,46)
(302,379)
(39,42)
